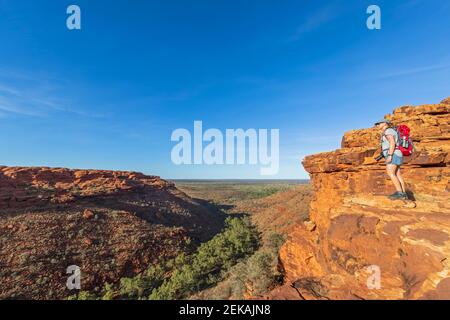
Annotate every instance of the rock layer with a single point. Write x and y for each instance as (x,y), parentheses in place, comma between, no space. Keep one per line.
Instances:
(363,245)
(111,224)
(25,187)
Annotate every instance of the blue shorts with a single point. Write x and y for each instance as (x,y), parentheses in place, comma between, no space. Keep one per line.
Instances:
(397,160)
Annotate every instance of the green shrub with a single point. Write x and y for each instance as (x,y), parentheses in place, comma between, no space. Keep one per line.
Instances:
(204,267)
(262,272)
(186,274)
(275,241)
(262,191)
(143,284)
(109,293)
(257,275)
(83,295)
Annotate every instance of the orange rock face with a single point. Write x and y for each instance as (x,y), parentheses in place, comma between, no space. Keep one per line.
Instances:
(365,246)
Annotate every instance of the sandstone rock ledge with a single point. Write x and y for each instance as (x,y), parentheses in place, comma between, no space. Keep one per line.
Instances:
(358,227)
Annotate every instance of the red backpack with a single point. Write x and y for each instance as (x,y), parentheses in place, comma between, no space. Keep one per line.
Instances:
(404,143)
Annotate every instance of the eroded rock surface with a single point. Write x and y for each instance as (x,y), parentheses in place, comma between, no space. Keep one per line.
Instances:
(358,231)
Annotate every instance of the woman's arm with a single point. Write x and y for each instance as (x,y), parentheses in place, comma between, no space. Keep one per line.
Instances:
(391,140)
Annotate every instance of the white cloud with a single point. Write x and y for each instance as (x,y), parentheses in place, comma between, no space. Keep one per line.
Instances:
(415,70)
(9,107)
(8,90)
(29,94)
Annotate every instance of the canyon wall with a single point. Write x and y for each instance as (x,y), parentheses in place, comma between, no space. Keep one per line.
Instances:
(111,224)
(361,245)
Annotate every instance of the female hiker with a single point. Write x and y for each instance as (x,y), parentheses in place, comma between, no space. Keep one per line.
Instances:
(393,157)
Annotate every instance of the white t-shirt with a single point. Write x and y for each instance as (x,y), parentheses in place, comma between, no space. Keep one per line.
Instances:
(385,142)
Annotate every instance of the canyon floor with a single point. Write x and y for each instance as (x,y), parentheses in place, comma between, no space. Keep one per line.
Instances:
(275,208)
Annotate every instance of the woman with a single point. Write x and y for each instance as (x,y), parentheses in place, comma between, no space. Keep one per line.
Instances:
(393,157)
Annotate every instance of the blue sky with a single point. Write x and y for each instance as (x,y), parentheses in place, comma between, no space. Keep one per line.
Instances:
(110,95)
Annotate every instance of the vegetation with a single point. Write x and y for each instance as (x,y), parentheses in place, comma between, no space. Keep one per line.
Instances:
(187,274)
(256,276)
(235,264)
(230,193)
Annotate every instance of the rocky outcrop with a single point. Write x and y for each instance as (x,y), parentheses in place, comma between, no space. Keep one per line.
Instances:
(361,245)
(111,224)
(25,187)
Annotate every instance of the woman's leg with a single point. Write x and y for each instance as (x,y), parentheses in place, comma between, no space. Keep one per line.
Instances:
(391,171)
(400,179)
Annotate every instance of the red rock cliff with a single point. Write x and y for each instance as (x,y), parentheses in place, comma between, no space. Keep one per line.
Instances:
(354,226)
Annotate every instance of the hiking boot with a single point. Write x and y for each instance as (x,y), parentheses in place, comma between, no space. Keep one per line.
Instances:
(405,196)
(397,196)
